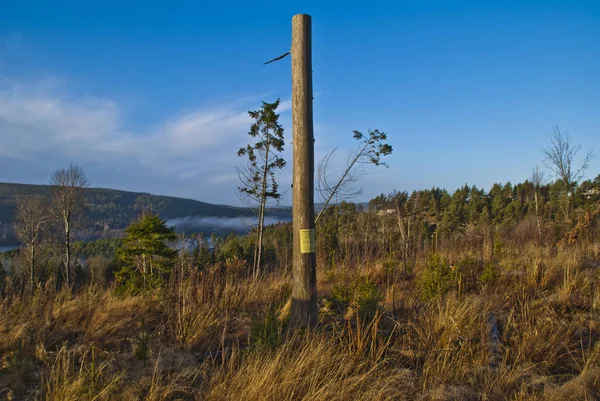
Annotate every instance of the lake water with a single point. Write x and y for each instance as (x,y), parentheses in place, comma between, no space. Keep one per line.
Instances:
(4,248)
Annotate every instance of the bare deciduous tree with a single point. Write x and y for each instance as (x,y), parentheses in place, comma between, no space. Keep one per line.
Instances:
(406,227)
(327,180)
(559,157)
(30,224)
(69,185)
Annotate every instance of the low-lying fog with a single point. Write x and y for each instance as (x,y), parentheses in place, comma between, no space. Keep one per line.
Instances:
(207,224)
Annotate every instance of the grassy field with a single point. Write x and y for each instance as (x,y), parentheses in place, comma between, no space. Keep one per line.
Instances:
(523,324)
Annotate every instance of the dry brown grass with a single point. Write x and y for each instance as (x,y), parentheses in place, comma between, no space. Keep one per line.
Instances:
(309,367)
(57,345)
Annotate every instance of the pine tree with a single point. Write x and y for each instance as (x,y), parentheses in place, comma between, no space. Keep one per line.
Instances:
(258,178)
(145,257)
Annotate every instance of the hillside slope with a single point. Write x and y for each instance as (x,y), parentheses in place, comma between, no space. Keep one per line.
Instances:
(107,210)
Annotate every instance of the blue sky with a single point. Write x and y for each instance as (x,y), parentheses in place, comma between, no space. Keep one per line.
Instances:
(152,96)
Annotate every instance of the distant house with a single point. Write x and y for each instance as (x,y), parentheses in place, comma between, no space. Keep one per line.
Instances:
(383,212)
(591,192)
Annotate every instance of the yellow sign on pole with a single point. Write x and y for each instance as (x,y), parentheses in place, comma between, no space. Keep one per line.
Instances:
(307,241)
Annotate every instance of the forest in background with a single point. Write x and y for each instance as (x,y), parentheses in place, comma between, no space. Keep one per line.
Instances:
(420,218)
(430,295)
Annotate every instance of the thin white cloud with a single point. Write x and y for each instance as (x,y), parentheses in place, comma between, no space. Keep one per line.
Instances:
(190,154)
(219,178)
(285,105)
(203,128)
(40,121)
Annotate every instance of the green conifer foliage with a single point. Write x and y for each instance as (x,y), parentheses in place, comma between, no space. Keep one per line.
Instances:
(145,257)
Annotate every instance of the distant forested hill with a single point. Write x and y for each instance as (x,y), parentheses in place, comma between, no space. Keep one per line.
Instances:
(107,210)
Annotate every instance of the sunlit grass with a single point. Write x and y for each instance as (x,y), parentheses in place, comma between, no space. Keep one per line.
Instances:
(219,336)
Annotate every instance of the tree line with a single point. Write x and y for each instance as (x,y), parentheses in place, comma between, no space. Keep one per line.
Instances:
(397,227)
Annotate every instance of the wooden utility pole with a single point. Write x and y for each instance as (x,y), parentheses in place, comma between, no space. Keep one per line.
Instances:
(304,292)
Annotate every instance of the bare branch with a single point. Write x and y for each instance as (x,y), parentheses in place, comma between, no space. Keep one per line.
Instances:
(277,58)
(559,157)
(30,224)
(537,177)
(371,150)
(68,201)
